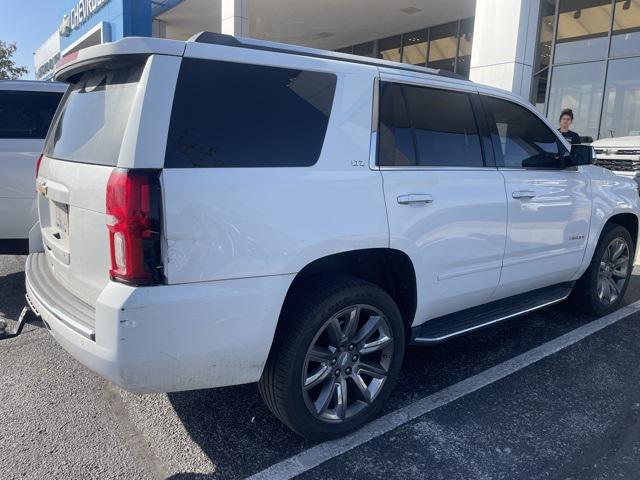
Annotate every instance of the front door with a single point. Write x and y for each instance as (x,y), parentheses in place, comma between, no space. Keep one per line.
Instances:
(549,207)
(446,208)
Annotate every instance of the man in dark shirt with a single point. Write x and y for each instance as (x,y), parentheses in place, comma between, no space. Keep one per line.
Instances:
(566,119)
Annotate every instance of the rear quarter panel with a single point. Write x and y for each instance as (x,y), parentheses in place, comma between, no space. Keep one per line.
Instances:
(224,223)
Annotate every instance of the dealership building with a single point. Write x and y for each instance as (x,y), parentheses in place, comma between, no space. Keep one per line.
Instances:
(581,54)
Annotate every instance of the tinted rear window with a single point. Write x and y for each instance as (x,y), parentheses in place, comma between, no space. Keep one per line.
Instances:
(26,114)
(89,128)
(238,115)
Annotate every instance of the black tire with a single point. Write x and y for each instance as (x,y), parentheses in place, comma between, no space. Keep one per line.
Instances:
(315,304)
(585,294)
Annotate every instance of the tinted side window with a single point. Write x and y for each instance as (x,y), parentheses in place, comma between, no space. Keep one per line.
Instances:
(427,127)
(238,115)
(445,128)
(26,114)
(520,139)
(396,147)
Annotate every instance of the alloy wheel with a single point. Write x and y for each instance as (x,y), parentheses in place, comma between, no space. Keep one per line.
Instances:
(613,271)
(347,363)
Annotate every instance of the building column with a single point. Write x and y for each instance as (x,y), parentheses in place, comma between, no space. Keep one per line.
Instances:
(159,29)
(504,44)
(235,17)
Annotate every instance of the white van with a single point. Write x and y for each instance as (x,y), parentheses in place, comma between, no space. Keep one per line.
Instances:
(26,110)
(223,211)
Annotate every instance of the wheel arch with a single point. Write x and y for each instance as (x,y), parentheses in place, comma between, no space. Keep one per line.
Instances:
(627,220)
(390,269)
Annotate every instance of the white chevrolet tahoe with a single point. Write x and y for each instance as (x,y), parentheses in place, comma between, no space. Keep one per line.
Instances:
(223,211)
(26,110)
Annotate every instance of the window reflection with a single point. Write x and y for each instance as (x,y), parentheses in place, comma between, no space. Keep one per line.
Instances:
(583,27)
(578,87)
(443,44)
(626,28)
(414,50)
(621,114)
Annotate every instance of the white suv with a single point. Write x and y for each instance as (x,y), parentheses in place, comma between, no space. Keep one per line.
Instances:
(223,211)
(26,110)
(619,154)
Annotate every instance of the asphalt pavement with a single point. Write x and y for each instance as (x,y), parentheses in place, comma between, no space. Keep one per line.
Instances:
(572,415)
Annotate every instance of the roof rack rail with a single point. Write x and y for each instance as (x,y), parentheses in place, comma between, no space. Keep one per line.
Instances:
(255,44)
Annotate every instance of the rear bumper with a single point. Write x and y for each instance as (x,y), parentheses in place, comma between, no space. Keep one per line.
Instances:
(169,337)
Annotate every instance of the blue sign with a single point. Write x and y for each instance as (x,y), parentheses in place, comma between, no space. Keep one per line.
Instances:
(121,18)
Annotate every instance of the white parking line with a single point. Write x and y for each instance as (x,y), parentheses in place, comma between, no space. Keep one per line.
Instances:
(323,452)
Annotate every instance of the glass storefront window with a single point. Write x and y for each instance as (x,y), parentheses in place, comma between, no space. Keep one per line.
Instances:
(443,45)
(545,34)
(446,46)
(414,50)
(621,115)
(625,38)
(539,89)
(578,87)
(583,30)
(364,49)
(389,48)
(464,47)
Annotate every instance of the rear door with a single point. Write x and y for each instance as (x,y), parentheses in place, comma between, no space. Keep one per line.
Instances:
(549,206)
(24,120)
(445,200)
(83,148)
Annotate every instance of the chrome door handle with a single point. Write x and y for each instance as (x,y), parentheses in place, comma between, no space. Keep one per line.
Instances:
(415,198)
(523,194)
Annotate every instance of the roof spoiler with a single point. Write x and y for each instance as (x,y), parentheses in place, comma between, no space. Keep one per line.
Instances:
(79,60)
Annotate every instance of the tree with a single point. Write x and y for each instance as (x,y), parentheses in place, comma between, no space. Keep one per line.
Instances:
(8,68)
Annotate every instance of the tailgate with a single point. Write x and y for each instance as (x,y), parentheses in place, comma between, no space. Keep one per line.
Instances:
(81,151)
(71,206)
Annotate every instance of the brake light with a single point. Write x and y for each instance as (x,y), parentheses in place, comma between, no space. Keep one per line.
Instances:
(38,165)
(133,209)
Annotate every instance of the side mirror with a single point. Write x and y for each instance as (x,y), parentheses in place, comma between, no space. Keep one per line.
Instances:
(582,155)
(586,139)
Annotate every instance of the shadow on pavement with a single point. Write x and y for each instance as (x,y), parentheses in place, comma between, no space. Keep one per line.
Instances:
(12,295)
(12,299)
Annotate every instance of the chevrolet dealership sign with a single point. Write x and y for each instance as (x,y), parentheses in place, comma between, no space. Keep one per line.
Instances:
(80,13)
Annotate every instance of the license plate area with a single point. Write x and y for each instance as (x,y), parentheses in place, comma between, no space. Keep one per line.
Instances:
(60,220)
(55,230)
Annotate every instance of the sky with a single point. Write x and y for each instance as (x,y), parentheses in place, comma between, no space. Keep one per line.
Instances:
(28,23)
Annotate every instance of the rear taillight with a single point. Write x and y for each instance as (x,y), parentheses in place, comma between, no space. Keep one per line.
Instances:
(38,165)
(133,210)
